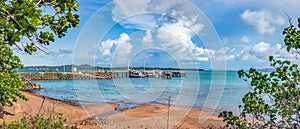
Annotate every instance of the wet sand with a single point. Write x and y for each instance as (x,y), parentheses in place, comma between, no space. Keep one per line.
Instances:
(142,116)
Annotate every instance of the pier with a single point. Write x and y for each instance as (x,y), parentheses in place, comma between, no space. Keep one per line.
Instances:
(94,75)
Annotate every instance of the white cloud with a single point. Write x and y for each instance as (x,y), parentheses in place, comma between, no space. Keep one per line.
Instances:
(174,29)
(128,14)
(125,8)
(65,50)
(262,50)
(173,24)
(115,51)
(176,39)
(143,14)
(258,52)
(123,50)
(147,39)
(106,46)
(245,39)
(224,53)
(264,21)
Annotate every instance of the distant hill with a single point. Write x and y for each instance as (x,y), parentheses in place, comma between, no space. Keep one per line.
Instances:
(266,70)
(87,66)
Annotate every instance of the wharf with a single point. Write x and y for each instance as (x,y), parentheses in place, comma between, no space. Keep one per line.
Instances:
(89,75)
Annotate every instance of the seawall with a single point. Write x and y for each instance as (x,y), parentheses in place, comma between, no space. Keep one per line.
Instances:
(66,75)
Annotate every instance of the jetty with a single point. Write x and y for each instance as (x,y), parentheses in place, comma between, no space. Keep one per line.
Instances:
(66,75)
(95,75)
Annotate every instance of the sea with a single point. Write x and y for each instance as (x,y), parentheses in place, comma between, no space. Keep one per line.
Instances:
(218,90)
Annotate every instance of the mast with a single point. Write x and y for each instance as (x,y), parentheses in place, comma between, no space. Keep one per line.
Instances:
(144,65)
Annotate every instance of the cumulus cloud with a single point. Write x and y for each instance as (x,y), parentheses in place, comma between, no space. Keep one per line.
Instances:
(123,50)
(262,50)
(177,39)
(147,39)
(128,14)
(124,9)
(170,24)
(245,39)
(150,14)
(105,47)
(115,51)
(257,52)
(264,21)
(224,53)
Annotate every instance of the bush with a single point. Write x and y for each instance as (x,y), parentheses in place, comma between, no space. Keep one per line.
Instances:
(274,101)
(38,122)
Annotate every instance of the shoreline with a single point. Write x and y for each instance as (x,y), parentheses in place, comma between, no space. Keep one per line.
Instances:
(123,103)
(79,116)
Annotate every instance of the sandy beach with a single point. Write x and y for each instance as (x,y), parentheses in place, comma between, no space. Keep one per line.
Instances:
(143,116)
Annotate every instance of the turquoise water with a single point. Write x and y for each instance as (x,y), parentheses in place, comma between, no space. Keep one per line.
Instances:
(217,90)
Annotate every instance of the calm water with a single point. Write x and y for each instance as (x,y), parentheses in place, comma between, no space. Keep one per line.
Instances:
(218,90)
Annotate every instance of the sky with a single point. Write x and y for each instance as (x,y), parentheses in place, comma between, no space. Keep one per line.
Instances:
(215,34)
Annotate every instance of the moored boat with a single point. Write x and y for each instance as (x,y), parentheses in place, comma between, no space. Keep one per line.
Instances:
(135,74)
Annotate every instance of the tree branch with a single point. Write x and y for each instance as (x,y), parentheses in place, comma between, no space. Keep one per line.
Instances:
(290,19)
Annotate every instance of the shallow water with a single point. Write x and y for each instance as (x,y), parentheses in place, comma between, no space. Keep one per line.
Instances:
(205,89)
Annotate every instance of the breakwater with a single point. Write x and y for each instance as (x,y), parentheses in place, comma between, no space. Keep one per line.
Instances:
(66,75)
(92,75)
(30,85)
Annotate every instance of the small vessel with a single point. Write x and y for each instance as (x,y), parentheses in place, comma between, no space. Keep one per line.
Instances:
(74,69)
(135,74)
(151,74)
(167,75)
(178,74)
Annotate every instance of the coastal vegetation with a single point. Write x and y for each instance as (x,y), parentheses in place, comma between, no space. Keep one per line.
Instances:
(10,82)
(274,100)
(39,121)
(29,25)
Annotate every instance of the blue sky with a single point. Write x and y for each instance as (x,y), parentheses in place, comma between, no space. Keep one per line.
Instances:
(215,34)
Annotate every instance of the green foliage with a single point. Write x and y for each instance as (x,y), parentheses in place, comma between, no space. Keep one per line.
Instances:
(274,101)
(29,25)
(9,87)
(10,82)
(8,61)
(33,23)
(38,122)
(292,38)
(50,70)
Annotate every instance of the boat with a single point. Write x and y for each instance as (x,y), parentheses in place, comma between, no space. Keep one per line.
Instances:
(167,75)
(151,74)
(135,74)
(178,74)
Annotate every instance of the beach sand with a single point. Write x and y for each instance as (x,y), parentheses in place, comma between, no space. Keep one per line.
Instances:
(140,117)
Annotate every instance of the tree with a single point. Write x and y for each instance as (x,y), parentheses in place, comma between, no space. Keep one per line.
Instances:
(29,25)
(32,24)
(10,82)
(274,101)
